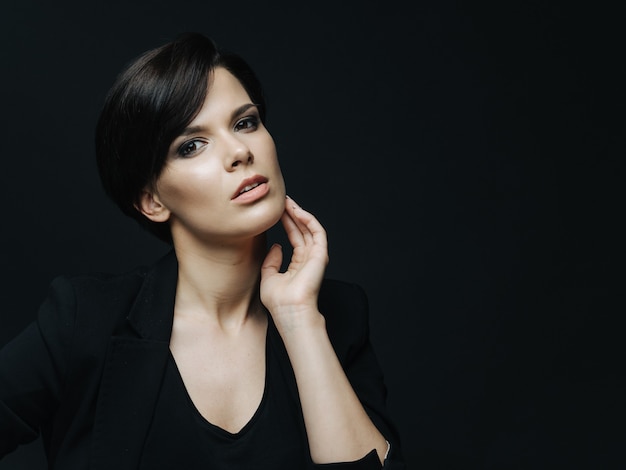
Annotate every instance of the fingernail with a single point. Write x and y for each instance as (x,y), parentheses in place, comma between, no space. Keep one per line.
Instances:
(294,204)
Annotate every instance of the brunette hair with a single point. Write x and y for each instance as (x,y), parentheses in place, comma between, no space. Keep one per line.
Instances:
(150,103)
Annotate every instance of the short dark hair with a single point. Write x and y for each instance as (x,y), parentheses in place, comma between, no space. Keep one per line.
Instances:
(150,103)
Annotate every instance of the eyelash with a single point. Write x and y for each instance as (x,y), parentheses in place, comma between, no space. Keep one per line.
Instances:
(252,121)
(185,151)
(248,123)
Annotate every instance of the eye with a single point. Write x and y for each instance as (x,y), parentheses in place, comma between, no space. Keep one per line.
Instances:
(189,148)
(248,123)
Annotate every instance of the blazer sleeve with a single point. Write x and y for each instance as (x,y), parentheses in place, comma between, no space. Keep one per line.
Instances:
(32,369)
(346,309)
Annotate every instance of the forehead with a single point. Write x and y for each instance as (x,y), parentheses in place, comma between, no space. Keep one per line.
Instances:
(224,88)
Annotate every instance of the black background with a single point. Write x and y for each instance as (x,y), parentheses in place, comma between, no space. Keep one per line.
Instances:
(465,158)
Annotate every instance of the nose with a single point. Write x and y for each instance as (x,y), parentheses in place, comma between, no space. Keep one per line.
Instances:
(237,152)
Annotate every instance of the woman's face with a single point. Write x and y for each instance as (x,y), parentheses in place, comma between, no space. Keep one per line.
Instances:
(222,181)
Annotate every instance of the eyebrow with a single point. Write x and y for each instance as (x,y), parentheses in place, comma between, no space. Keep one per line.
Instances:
(195,129)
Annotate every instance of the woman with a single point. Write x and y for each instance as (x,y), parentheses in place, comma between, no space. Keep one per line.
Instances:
(213,357)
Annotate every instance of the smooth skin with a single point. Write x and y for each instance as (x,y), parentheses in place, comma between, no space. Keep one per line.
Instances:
(226,278)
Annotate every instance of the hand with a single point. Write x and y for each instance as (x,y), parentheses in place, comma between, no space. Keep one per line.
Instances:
(291,296)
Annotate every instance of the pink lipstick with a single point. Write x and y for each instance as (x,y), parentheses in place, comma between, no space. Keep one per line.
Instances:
(251,189)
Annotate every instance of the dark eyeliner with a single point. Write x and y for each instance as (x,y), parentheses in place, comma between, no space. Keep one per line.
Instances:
(181,148)
(252,121)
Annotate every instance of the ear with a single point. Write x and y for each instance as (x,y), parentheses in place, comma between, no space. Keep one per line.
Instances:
(150,205)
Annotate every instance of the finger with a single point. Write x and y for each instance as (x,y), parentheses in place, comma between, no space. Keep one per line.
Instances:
(307,223)
(294,234)
(293,209)
(297,225)
(273,261)
(301,219)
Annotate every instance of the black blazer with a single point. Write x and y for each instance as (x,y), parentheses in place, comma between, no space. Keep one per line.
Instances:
(86,374)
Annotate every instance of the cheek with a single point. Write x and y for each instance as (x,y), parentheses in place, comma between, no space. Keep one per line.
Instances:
(180,187)
(272,154)
(266,142)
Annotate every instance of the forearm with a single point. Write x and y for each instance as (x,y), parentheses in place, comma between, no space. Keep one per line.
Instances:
(338,428)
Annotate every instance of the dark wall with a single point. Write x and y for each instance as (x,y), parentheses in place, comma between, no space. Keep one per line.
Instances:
(466,160)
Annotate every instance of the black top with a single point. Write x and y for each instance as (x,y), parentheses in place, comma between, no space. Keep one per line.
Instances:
(273,437)
(94,376)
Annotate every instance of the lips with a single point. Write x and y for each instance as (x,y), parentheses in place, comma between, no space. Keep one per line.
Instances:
(249,184)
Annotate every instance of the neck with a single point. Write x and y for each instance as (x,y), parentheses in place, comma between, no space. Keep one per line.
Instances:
(220,283)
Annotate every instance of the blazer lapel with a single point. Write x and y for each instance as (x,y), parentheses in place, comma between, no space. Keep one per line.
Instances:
(133,372)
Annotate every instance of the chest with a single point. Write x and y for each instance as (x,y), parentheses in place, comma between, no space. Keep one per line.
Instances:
(225,379)
(274,436)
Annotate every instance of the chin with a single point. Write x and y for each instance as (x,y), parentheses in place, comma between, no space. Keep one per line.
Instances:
(268,214)
(276,212)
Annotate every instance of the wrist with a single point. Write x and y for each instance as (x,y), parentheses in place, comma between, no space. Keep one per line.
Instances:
(294,322)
